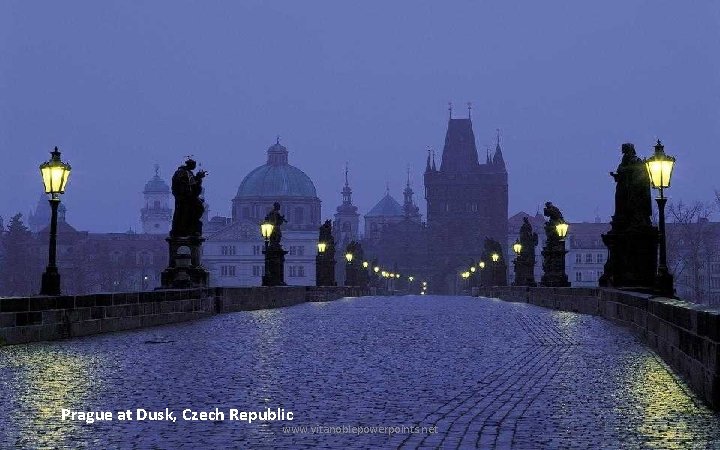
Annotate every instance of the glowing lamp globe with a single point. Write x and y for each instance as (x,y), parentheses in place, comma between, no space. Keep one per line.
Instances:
(472,269)
(55,173)
(365,264)
(481,264)
(349,256)
(376,269)
(517,247)
(322,247)
(266,229)
(495,257)
(411,279)
(562,229)
(660,167)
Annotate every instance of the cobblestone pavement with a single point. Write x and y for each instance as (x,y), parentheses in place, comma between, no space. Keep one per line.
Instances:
(486,373)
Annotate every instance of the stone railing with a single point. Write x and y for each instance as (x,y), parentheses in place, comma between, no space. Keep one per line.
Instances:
(685,335)
(31,319)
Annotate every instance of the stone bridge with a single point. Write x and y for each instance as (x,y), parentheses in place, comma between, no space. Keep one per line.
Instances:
(363,372)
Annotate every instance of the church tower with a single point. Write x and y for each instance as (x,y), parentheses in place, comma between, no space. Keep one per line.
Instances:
(156,215)
(466,201)
(410,209)
(347,218)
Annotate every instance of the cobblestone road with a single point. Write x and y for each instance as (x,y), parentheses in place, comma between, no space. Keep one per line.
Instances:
(486,373)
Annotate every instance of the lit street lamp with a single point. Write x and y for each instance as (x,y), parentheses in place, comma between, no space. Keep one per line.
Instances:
(321,247)
(55,174)
(517,248)
(266,229)
(660,167)
(562,230)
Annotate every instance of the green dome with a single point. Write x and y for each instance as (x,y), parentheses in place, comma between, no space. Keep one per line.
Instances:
(277,178)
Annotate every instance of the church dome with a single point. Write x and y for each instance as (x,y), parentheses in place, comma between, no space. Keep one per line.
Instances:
(156,184)
(277,178)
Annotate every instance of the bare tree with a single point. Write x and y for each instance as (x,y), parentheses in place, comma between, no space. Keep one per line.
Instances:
(691,244)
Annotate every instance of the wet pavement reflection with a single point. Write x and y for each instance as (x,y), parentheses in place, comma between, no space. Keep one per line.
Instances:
(486,373)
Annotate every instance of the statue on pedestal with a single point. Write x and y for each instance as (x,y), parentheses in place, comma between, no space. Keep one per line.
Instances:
(554,251)
(185,240)
(525,261)
(274,253)
(325,261)
(632,239)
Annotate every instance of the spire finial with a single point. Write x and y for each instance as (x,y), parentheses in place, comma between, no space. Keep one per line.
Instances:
(450,109)
(157,169)
(387,188)
(469,105)
(497,130)
(346,174)
(277,139)
(408,175)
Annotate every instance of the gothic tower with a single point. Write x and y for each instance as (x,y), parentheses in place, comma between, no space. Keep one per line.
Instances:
(347,218)
(156,215)
(466,201)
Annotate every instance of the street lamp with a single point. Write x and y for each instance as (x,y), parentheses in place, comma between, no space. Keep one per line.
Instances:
(266,229)
(660,167)
(55,174)
(349,257)
(517,247)
(411,279)
(322,246)
(376,269)
(495,257)
(472,269)
(562,230)
(481,264)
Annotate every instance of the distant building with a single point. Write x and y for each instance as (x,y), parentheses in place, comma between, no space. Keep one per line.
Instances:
(233,253)
(156,214)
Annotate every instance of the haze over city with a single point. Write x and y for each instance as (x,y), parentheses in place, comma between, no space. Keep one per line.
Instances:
(120,87)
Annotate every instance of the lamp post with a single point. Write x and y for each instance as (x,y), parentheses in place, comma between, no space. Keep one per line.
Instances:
(266,229)
(55,174)
(349,270)
(660,167)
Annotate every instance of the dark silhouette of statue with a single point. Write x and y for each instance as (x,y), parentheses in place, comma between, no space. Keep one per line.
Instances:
(274,253)
(633,203)
(632,240)
(327,237)
(554,251)
(276,219)
(525,261)
(185,268)
(189,206)
(325,261)
(495,272)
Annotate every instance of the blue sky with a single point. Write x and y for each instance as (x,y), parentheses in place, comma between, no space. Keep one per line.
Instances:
(120,86)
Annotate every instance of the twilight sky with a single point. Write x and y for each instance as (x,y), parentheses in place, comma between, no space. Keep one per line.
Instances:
(120,86)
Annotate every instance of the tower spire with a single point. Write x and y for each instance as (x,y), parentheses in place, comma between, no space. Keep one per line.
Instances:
(346,191)
(450,106)
(408,176)
(469,106)
(427,166)
(498,158)
(434,167)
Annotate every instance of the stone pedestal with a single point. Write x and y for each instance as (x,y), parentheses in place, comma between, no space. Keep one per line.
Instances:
(184,267)
(632,259)
(274,266)
(554,265)
(325,269)
(524,272)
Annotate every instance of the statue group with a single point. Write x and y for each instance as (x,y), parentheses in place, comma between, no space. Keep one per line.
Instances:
(185,269)
(274,253)
(632,239)
(525,261)
(554,251)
